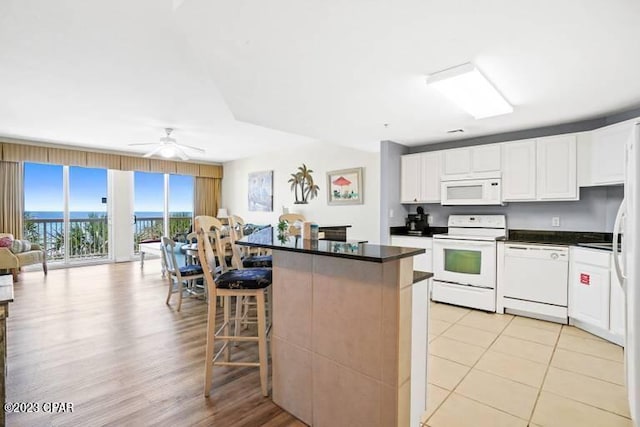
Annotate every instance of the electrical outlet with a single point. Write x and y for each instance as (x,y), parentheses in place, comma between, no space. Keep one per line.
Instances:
(555,221)
(390,213)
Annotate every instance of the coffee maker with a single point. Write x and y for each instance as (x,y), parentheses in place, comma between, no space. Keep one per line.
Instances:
(417,224)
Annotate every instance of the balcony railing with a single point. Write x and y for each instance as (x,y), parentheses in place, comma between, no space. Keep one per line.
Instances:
(89,237)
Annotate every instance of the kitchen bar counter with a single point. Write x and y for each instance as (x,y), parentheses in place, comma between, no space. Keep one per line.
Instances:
(352,249)
(349,335)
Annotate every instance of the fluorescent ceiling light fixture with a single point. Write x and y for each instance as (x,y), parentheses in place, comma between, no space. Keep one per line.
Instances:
(470,90)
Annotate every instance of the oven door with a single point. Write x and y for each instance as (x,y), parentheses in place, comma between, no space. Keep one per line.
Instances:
(467,262)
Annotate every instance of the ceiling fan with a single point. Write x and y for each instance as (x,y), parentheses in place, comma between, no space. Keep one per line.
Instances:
(168,147)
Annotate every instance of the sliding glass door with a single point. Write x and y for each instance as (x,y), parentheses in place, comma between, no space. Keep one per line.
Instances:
(163,206)
(44,208)
(148,208)
(65,211)
(88,234)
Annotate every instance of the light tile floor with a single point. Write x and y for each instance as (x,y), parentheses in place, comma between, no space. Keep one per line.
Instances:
(502,370)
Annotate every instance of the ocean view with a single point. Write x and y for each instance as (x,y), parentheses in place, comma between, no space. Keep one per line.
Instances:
(87,214)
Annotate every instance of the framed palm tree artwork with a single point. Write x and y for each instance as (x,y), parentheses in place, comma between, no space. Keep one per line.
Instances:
(345,187)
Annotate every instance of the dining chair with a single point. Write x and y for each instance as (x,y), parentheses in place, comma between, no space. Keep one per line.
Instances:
(291,219)
(233,281)
(250,259)
(181,278)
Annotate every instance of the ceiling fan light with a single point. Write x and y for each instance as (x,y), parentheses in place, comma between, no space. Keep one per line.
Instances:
(168,151)
(466,87)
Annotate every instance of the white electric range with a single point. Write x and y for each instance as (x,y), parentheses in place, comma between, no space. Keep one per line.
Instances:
(465,262)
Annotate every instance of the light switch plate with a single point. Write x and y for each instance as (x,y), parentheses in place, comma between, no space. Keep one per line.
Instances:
(555,221)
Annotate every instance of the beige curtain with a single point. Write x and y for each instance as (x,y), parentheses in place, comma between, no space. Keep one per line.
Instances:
(11,200)
(207,196)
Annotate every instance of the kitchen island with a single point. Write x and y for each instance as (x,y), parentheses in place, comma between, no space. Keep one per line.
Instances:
(349,337)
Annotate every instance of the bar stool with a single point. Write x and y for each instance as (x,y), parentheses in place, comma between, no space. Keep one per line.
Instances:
(232,282)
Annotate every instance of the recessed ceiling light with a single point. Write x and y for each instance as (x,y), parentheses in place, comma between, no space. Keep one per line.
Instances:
(470,90)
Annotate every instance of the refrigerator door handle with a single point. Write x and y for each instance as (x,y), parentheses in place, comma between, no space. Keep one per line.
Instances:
(616,253)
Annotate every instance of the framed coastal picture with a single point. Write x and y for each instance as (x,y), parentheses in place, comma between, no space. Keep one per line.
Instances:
(345,187)
(261,191)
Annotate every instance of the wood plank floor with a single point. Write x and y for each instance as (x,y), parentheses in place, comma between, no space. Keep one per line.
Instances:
(102,338)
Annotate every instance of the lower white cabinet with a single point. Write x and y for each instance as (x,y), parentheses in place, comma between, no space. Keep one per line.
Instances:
(596,302)
(422,262)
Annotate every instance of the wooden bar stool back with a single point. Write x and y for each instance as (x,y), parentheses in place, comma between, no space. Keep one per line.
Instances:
(233,281)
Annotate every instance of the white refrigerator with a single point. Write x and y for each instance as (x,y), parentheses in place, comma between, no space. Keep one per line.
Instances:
(627,265)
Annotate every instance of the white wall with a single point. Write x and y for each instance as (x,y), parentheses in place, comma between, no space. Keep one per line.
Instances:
(321,158)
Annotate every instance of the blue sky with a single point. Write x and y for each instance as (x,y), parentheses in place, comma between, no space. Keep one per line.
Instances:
(87,187)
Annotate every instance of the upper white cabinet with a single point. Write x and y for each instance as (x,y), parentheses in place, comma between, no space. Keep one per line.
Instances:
(420,177)
(606,154)
(472,162)
(519,171)
(410,175)
(431,171)
(556,168)
(540,169)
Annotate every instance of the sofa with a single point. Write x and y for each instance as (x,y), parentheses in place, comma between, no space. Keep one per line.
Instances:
(15,261)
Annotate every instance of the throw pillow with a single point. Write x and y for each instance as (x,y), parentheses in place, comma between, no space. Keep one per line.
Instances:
(19,246)
(5,242)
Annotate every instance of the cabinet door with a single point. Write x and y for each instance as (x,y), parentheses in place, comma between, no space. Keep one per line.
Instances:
(556,168)
(422,262)
(431,171)
(486,158)
(519,171)
(607,154)
(589,293)
(457,162)
(410,176)
(617,315)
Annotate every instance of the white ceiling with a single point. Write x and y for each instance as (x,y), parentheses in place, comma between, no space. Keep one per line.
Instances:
(243,77)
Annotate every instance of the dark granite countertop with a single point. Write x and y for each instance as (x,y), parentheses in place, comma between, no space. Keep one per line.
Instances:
(402,231)
(357,250)
(419,276)
(557,237)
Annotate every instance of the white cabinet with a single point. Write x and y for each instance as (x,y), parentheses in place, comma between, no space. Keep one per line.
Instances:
(482,161)
(457,162)
(556,168)
(519,171)
(430,182)
(590,279)
(540,169)
(410,174)
(596,302)
(422,262)
(607,154)
(420,177)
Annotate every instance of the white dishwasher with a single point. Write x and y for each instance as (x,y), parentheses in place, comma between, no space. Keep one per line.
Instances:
(535,281)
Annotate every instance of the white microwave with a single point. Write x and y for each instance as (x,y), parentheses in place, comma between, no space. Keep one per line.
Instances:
(472,192)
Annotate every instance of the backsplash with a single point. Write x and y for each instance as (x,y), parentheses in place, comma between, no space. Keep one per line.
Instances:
(595,211)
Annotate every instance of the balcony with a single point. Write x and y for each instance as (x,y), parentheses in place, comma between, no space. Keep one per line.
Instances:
(89,237)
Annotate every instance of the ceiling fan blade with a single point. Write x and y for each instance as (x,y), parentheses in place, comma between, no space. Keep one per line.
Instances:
(143,143)
(153,152)
(190,147)
(180,152)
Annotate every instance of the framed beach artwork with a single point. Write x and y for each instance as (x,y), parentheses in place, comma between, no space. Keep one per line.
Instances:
(261,191)
(345,187)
